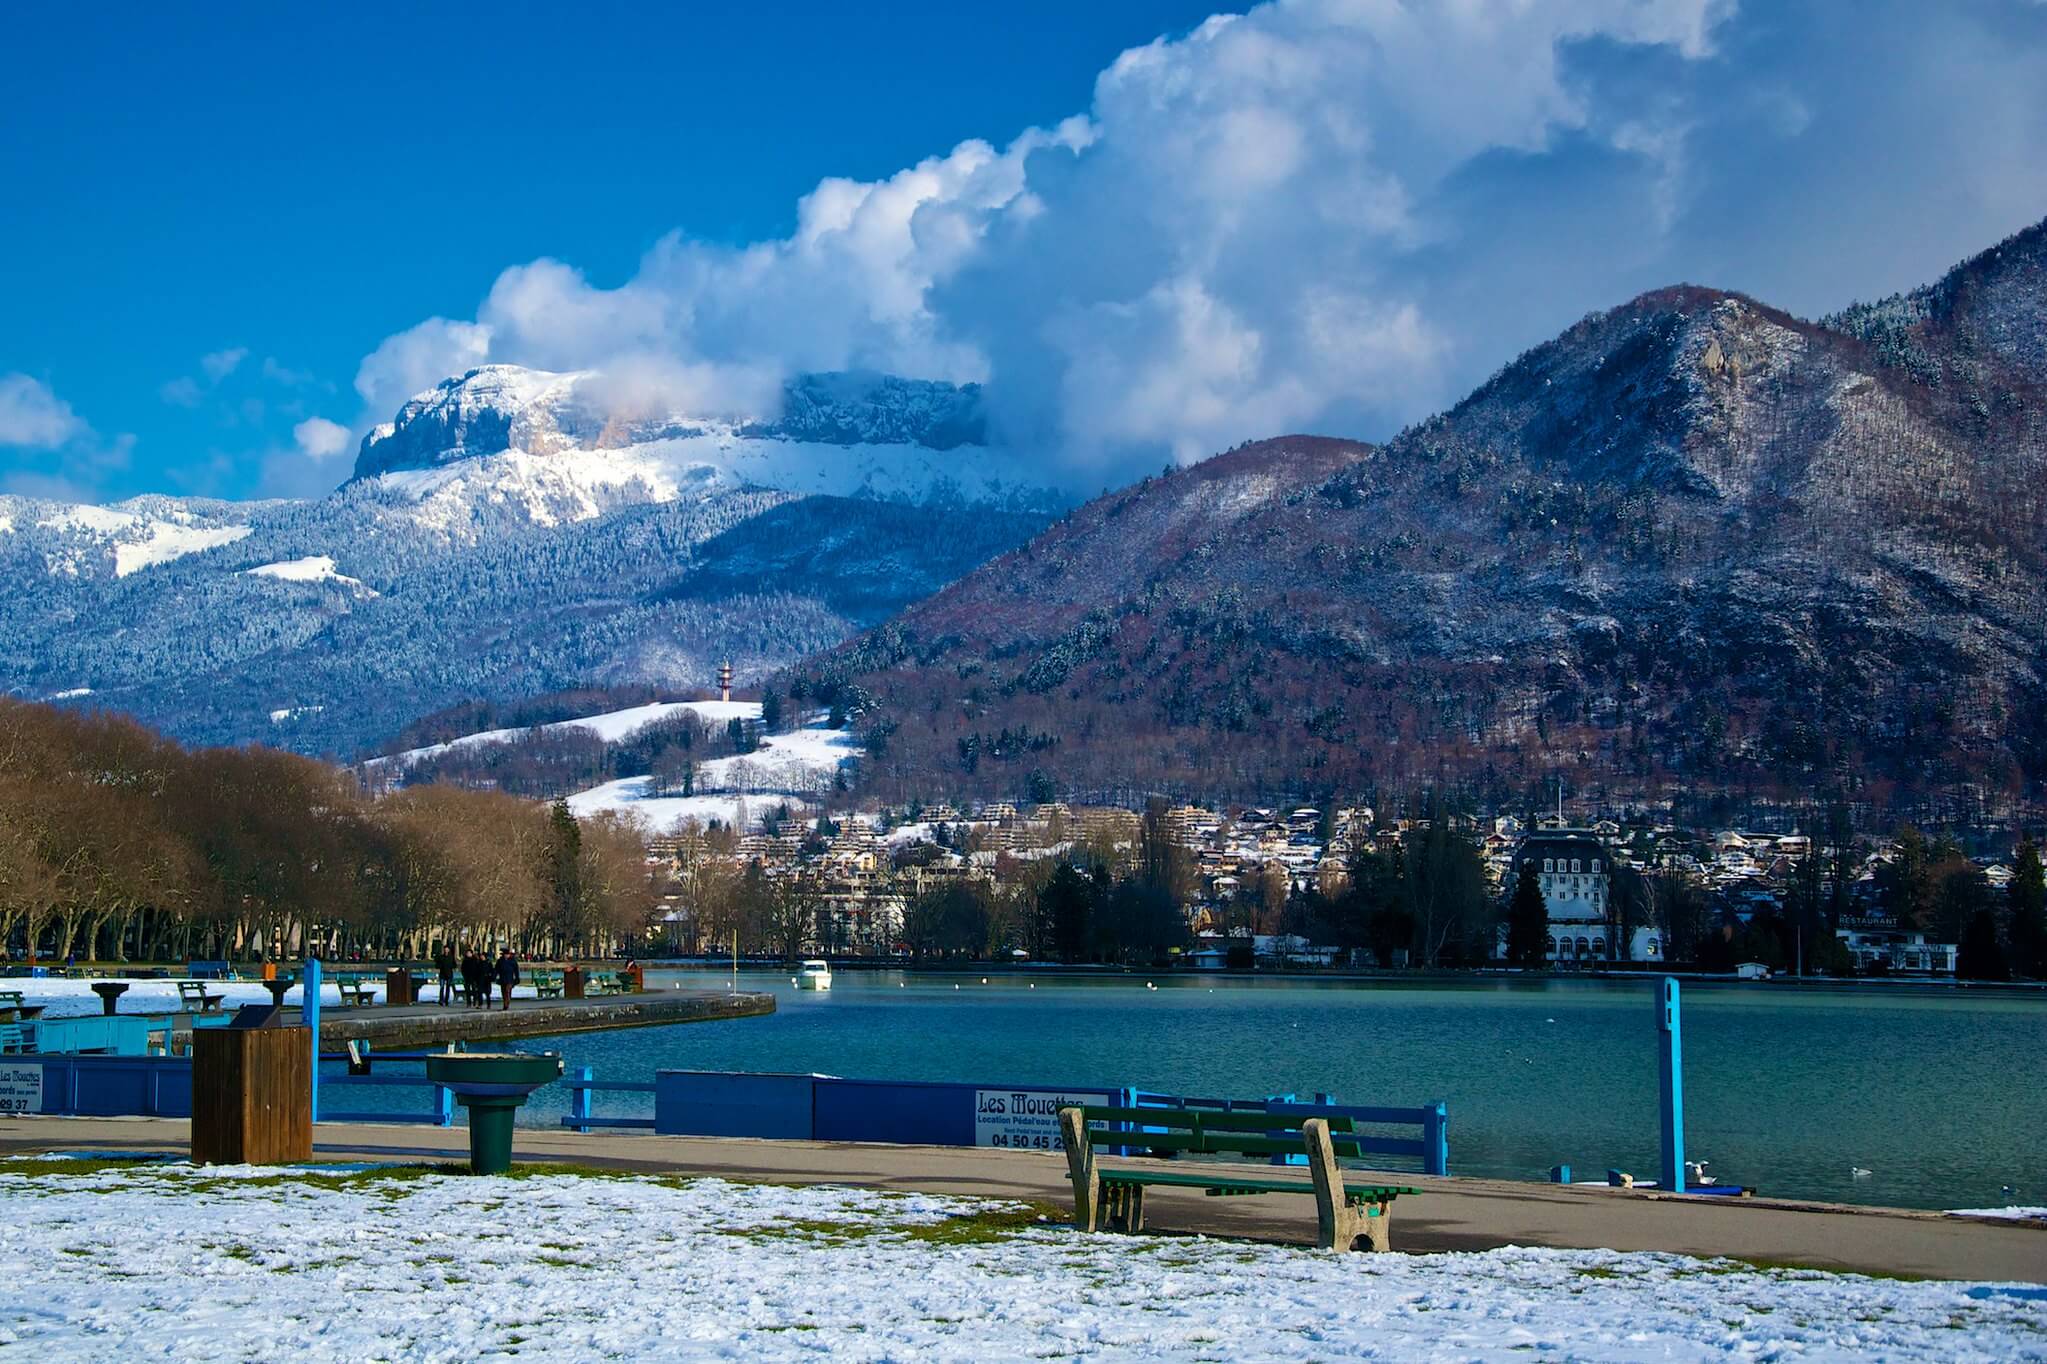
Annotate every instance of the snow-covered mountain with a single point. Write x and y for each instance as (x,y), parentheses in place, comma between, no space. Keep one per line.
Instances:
(557,446)
(503,537)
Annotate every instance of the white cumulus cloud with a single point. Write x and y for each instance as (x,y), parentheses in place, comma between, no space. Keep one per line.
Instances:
(221,363)
(1332,215)
(321,439)
(31,415)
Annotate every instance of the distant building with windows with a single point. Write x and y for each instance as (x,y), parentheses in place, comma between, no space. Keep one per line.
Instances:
(1575,870)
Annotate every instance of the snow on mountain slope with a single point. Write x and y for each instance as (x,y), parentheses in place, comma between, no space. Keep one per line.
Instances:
(82,540)
(665,814)
(804,760)
(611,726)
(543,446)
(315,568)
(508,535)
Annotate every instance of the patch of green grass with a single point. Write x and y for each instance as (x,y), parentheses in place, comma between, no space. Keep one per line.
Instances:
(983,1228)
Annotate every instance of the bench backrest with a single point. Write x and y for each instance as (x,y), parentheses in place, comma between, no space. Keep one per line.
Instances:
(10,999)
(1196,1131)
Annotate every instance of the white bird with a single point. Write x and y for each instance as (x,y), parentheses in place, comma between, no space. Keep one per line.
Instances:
(1549,1020)
(1695,1173)
(984,980)
(1857,1172)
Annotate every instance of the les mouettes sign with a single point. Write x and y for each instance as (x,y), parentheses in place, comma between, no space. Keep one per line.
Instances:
(1028,1119)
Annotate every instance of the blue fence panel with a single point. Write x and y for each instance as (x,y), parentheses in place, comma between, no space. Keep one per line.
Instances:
(926,1113)
(707,1103)
(583,1084)
(113,1086)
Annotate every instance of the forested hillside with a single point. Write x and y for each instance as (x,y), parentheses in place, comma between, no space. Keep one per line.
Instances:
(503,540)
(1692,543)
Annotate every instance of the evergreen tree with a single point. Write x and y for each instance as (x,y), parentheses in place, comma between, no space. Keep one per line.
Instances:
(564,874)
(1981,956)
(771,710)
(2027,900)
(1527,919)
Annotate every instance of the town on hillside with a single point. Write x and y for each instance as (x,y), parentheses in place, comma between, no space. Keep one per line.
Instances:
(1347,888)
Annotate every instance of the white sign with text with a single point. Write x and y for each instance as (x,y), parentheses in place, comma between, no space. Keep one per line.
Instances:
(1028,1119)
(21,1089)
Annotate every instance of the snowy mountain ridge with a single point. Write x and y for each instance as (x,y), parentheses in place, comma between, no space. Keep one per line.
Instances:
(502,539)
(495,408)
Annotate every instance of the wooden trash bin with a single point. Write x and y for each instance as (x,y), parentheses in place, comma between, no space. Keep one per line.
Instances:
(398,986)
(252,1095)
(572,982)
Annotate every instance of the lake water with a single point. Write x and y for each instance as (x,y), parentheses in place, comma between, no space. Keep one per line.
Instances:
(1941,1096)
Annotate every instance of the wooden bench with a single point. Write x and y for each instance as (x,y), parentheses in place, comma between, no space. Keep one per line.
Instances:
(355,991)
(195,997)
(1349,1214)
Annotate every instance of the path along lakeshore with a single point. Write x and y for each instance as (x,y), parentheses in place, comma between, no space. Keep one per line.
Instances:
(1449,1214)
(1933,1096)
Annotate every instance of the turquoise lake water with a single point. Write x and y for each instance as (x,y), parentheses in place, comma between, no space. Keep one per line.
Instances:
(1941,1096)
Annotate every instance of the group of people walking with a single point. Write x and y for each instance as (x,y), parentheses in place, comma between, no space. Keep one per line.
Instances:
(478,973)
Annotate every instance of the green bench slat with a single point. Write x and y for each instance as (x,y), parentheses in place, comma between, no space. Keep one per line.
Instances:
(1207,1120)
(1192,1181)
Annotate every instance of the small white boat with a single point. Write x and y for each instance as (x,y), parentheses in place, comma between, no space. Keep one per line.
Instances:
(814,975)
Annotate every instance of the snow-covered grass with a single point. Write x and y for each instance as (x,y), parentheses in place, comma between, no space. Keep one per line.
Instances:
(403,1263)
(75,999)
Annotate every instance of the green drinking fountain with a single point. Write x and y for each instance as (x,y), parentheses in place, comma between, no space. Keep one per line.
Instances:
(493,1086)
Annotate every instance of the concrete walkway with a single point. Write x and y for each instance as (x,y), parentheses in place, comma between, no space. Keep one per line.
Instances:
(1450,1215)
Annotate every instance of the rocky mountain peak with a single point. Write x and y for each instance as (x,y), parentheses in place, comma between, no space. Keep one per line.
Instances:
(495,408)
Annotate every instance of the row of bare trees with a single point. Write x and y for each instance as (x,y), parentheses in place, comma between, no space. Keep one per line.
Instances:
(117,844)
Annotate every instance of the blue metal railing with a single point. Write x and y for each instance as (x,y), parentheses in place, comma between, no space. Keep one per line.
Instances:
(441,1114)
(582,1085)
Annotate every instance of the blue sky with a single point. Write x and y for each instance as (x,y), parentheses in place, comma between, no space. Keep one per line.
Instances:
(220,224)
(300,182)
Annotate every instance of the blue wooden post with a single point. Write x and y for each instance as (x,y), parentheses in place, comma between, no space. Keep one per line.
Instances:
(444,1106)
(1670,1055)
(309,1011)
(1436,1138)
(579,1098)
(1560,1174)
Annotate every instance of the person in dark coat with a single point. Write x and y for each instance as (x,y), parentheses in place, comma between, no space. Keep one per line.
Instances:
(475,979)
(508,976)
(444,966)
